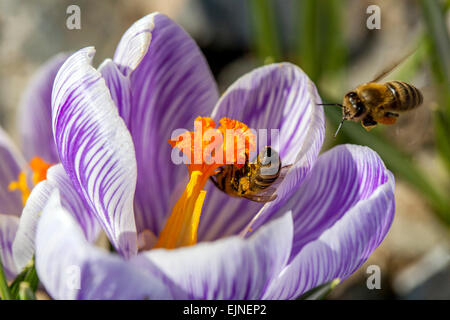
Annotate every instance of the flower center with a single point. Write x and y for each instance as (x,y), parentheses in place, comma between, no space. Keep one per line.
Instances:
(207,148)
(39,168)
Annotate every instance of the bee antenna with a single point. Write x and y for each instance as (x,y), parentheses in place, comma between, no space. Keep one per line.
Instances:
(330,104)
(339,128)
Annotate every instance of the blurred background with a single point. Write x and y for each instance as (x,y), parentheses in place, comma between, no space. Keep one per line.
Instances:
(330,41)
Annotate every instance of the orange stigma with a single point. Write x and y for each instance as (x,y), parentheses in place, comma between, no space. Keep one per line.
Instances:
(207,148)
(39,168)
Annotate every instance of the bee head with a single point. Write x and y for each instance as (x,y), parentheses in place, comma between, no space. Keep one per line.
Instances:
(352,107)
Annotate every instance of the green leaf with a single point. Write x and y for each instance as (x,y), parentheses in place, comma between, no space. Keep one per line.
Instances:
(26,292)
(28,275)
(442,129)
(321,46)
(439,43)
(264,28)
(433,13)
(14,286)
(4,290)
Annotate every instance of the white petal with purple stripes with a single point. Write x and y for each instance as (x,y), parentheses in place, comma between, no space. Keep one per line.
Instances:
(119,87)
(11,164)
(342,177)
(8,229)
(170,84)
(24,243)
(71,268)
(231,268)
(134,44)
(341,249)
(277,96)
(95,147)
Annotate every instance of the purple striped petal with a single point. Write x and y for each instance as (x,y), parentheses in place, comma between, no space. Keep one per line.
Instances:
(171,85)
(35,113)
(134,44)
(341,249)
(119,87)
(11,164)
(8,229)
(341,178)
(278,96)
(24,245)
(71,268)
(95,147)
(224,216)
(231,268)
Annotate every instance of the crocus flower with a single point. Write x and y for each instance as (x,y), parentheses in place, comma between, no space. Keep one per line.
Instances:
(22,168)
(111,126)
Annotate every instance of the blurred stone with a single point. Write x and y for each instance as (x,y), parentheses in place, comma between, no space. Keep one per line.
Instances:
(428,278)
(42,295)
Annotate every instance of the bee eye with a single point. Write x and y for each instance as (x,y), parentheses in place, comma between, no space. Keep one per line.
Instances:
(352,97)
(359,109)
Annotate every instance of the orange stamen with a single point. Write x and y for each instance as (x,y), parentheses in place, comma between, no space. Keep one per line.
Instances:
(39,168)
(22,186)
(207,149)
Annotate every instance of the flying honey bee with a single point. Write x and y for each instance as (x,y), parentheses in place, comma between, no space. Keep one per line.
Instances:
(373,102)
(254,181)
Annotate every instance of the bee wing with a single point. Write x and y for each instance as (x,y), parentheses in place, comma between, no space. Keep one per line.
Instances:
(269,194)
(391,67)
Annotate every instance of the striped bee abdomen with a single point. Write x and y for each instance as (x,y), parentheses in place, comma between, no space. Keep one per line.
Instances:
(269,166)
(264,181)
(406,96)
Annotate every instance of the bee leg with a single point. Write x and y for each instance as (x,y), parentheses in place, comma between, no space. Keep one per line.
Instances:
(368,123)
(391,114)
(388,118)
(215,182)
